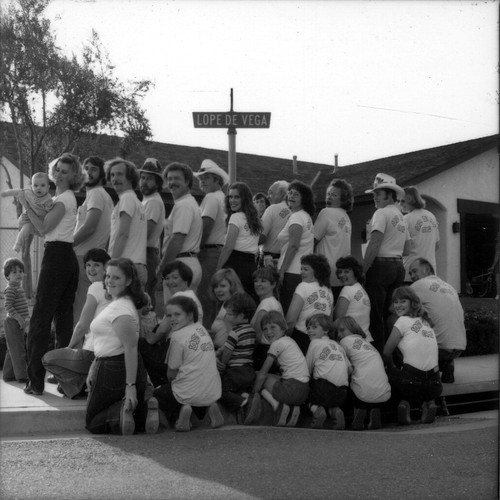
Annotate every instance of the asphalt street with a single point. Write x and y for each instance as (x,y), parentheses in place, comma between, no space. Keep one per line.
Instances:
(442,461)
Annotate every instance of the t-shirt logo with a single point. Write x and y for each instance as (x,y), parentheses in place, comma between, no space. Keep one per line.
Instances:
(194,342)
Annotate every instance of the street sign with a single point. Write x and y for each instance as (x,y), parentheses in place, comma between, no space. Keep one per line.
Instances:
(210,119)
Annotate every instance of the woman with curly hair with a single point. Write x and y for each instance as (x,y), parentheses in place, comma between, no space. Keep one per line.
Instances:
(242,237)
(312,296)
(296,239)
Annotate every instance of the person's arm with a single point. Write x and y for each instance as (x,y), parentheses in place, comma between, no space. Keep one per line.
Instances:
(50,221)
(256,325)
(406,249)
(83,325)
(88,228)
(293,312)
(125,329)
(231,237)
(10,307)
(171,374)
(174,247)
(151,227)
(262,374)
(208,224)
(374,243)
(122,235)
(390,345)
(340,308)
(294,236)
(10,192)
(162,331)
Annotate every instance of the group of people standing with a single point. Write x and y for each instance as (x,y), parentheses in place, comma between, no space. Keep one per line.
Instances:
(261,300)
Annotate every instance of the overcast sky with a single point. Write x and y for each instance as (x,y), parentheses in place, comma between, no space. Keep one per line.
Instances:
(361,79)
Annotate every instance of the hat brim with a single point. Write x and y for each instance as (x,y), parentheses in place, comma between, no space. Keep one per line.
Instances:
(152,173)
(399,190)
(223,175)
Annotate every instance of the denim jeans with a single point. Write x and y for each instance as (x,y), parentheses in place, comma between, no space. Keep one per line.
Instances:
(290,283)
(152,262)
(55,295)
(324,393)
(382,279)
(208,258)
(245,265)
(235,381)
(14,365)
(107,392)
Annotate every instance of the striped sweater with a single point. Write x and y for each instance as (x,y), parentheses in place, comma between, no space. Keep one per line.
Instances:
(241,341)
(16,304)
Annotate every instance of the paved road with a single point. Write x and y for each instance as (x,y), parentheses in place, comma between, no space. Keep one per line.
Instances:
(438,461)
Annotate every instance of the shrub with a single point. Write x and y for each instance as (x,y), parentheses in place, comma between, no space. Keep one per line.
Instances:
(481,325)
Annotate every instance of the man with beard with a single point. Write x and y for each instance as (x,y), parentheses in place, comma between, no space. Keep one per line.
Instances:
(150,184)
(92,225)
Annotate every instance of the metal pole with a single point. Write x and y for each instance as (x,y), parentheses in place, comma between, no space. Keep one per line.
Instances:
(231,133)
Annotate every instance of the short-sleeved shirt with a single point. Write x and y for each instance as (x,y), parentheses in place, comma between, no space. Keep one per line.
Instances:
(424,234)
(274,219)
(64,230)
(267,305)
(418,343)
(369,380)
(185,218)
(359,306)
(97,291)
(442,303)
(106,341)
(245,241)
(390,222)
(212,206)
(191,352)
(99,199)
(241,343)
(135,248)
(154,209)
(290,359)
(316,300)
(332,230)
(306,245)
(192,295)
(327,360)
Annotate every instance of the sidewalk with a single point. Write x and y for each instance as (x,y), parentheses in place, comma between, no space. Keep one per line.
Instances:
(51,413)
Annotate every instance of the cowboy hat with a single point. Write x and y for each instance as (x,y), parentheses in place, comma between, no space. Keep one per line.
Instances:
(384,181)
(152,166)
(210,167)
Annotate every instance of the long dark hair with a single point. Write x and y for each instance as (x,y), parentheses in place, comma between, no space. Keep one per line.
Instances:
(135,290)
(247,207)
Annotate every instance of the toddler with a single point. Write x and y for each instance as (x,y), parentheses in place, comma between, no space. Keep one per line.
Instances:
(38,199)
(15,323)
(329,367)
(284,393)
(369,386)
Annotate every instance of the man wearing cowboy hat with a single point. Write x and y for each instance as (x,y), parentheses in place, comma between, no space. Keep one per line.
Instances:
(150,184)
(383,260)
(211,178)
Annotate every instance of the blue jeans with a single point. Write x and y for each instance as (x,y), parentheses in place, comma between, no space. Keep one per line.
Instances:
(414,385)
(55,295)
(382,279)
(14,365)
(235,381)
(152,262)
(108,390)
(208,258)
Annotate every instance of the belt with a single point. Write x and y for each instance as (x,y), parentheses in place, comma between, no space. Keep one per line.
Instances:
(187,254)
(58,243)
(211,246)
(420,373)
(273,255)
(389,259)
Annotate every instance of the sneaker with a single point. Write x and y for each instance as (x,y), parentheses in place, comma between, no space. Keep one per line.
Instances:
(215,416)
(294,416)
(404,417)
(318,418)
(338,418)
(183,423)
(152,417)
(254,407)
(29,389)
(358,421)
(375,420)
(127,422)
(429,409)
(281,415)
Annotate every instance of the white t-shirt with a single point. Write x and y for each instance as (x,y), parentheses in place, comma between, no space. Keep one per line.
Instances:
(390,222)
(424,234)
(64,230)
(274,219)
(267,305)
(369,380)
(191,352)
(306,245)
(135,248)
(418,343)
(106,341)
(185,218)
(359,306)
(332,230)
(317,300)
(154,209)
(192,295)
(245,241)
(212,206)
(97,291)
(290,358)
(327,360)
(96,198)
(441,302)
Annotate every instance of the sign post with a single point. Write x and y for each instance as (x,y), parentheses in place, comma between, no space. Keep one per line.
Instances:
(231,120)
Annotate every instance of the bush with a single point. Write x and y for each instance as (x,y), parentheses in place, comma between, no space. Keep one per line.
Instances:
(481,325)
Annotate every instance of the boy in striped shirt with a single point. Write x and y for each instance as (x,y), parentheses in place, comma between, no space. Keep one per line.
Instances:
(235,358)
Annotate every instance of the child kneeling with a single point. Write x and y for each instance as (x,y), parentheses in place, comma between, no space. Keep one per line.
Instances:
(286,393)
(193,380)
(329,367)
